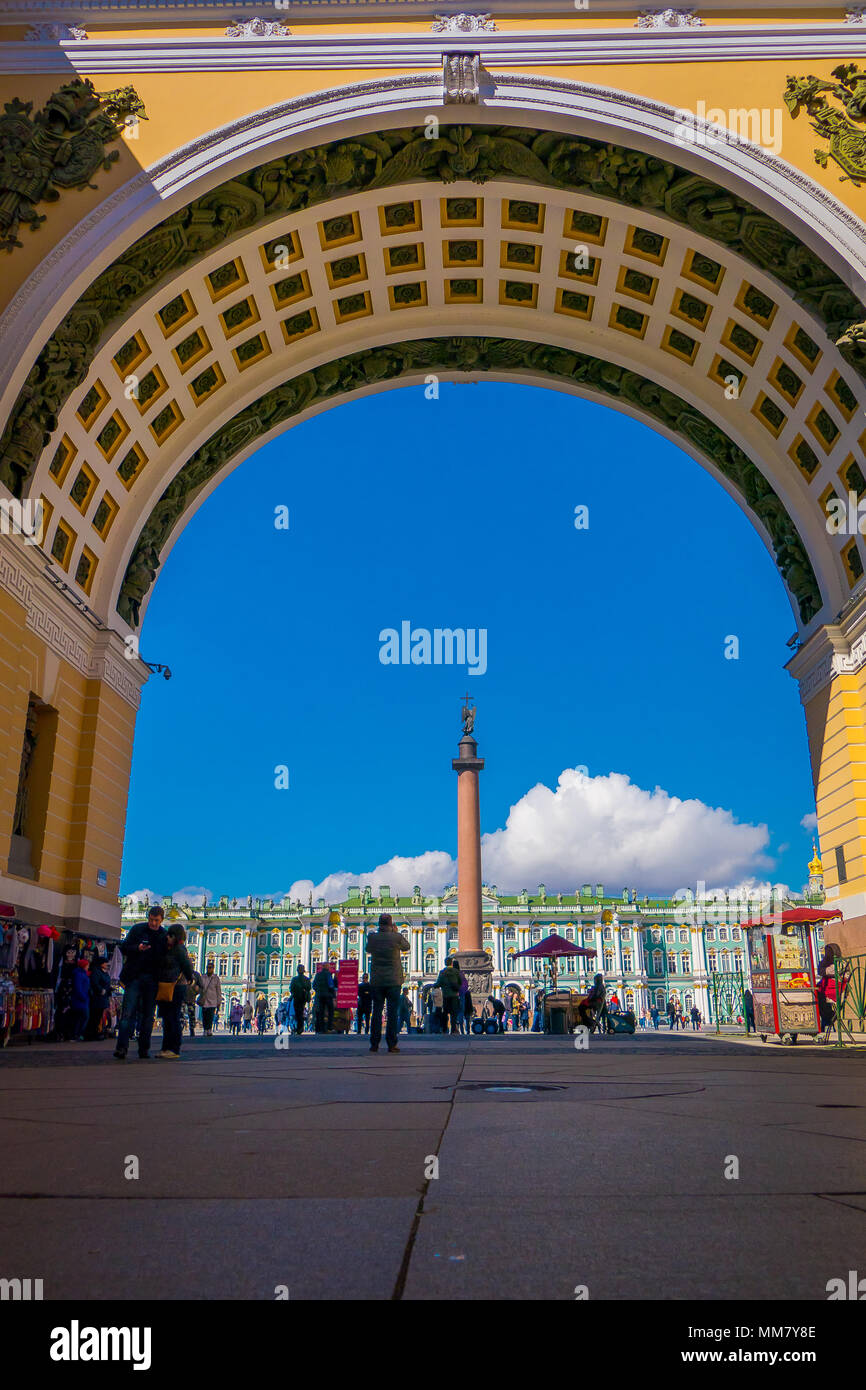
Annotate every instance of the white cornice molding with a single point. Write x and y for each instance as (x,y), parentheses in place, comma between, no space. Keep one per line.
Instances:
(795,42)
(202,11)
(95,652)
(836,649)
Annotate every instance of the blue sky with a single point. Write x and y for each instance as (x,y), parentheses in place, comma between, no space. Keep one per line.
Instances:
(605,650)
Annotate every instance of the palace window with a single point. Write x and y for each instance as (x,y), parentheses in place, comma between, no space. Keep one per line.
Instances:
(626,934)
(237,939)
(660,998)
(723,933)
(687,963)
(657,936)
(353,936)
(726,962)
(669,936)
(608,933)
(275,966)
(626,962)
(608,962)
(224,938)
(536,933)
(275,938)
(261,968)
(511,934)
(711,961)
(236,965)
(317,937)
(657,962)
(735,933)
(262,939)
(590,934)
(222,966)
(629,999)
(430,934)
(429,963)
(738,961)
(710,934)
(684,936)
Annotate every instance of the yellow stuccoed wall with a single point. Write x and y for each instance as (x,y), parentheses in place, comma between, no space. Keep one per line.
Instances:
(836,723)
(89,785)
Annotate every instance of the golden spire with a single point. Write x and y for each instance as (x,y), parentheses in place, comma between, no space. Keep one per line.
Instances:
(816,868)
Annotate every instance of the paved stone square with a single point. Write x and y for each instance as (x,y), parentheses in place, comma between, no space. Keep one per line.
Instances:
(307,1167)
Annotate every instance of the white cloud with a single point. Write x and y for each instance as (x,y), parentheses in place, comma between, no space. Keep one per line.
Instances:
(433,871)
(143,895)
(586,829)
(598,829)
(810,821)
(607,830)
(192,897)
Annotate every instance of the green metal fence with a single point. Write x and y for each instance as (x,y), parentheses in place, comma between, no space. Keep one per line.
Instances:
(850,998)
(728,990)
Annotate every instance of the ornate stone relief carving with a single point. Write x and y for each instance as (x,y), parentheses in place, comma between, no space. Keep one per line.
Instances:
(257,29)
(461,78)
(668,19)
(62,146)
(843,128)
(88,650)
(463,24)
(55,33)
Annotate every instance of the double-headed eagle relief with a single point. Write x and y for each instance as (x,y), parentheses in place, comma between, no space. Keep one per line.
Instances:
(62,146)
(845,128)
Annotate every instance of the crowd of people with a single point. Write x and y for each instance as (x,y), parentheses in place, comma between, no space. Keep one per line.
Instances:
(158,977)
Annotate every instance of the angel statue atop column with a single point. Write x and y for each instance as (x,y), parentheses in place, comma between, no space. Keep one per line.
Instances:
(468,717)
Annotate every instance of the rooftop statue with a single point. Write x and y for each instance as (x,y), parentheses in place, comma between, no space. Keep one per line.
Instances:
(468,717)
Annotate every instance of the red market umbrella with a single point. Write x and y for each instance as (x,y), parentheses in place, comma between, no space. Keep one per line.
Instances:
(555,945)
(795,914)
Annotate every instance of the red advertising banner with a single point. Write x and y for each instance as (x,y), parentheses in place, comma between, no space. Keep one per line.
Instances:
(347,985)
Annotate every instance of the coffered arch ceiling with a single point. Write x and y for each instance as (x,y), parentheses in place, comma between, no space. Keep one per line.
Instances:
(383,258)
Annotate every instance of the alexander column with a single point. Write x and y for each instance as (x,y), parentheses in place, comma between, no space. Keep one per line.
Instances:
(473,959)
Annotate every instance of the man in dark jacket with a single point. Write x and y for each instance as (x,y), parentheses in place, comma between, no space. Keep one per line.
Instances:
(384,948)
(143,950)
(365,1003)
(325,990)
(448,980)
(299,989)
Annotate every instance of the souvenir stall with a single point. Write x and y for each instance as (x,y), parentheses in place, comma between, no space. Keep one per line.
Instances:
(783,974)
(31,957)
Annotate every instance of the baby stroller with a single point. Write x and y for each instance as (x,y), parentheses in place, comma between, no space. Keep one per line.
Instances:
(623,1022)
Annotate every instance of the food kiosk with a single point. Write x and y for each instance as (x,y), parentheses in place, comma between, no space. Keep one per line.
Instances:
(783,972)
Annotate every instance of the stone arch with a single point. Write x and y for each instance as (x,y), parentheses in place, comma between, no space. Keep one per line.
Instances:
(629,329)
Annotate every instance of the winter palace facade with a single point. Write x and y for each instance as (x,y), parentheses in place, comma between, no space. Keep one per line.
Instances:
(648,950)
